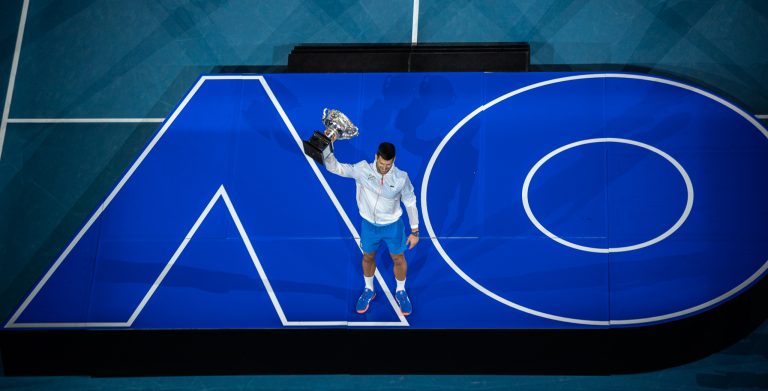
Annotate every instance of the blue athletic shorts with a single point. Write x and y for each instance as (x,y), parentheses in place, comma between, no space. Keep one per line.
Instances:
(392,234)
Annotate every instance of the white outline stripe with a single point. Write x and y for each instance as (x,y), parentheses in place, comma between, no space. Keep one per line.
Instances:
(67,325)
(254,258)
(331,195)
(81,120)
(762,116)
(220,193)
(415,25)
(664,235)
(699,307)
(12,78)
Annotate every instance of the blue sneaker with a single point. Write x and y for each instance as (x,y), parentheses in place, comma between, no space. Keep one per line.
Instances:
(365,300)
(404,302)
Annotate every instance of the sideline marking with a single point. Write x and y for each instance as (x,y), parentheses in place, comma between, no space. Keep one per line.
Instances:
(12,78)
(82,120)
(415,26)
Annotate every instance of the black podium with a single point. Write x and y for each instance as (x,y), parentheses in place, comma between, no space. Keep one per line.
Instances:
(444,57)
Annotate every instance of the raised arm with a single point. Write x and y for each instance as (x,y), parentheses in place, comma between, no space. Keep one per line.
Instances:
(342,169)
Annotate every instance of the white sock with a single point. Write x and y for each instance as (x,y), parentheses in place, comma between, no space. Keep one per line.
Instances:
(369,282)
(400,285)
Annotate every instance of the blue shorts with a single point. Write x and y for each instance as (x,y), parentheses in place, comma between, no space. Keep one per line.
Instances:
(392,234)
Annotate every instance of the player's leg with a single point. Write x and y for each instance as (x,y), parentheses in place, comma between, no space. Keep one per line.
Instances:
(370,241)
(369,293)
(401,268)
(369,268)
(396,241)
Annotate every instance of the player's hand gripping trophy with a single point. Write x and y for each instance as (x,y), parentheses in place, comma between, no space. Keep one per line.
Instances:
(337,127)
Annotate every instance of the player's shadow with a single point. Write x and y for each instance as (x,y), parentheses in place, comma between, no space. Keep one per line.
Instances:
(462,167)
(401,108)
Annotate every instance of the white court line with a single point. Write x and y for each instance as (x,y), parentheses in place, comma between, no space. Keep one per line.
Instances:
(12,78)
(67,325)
(415,26)
(123,120)
(81,120)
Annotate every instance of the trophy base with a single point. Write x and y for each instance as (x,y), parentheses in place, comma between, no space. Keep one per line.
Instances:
(318,147)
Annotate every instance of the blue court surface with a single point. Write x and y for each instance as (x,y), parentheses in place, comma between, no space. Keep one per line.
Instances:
(546,200)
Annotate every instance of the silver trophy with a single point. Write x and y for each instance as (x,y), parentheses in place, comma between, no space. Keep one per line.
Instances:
(337,127)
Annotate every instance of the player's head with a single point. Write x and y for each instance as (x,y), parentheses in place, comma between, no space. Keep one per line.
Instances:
(385,157)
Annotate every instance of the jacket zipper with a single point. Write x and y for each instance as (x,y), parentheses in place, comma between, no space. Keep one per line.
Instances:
(378,194)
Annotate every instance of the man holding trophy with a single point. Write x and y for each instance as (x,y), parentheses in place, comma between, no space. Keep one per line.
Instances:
(380,188)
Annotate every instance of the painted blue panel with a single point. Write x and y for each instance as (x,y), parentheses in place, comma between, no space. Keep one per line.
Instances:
(553,200)
(66,295)
(722,242)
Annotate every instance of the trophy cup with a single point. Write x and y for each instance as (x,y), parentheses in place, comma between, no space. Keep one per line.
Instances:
(337,127)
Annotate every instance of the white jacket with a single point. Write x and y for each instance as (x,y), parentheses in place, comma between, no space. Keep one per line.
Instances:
(378,198)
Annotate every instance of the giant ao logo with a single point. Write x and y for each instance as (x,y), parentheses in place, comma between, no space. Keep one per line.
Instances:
(551,200)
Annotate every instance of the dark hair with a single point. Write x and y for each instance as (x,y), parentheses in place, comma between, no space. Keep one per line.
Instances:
(386,151)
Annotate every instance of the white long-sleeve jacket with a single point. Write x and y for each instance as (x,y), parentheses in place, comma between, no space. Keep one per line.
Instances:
(378,198)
